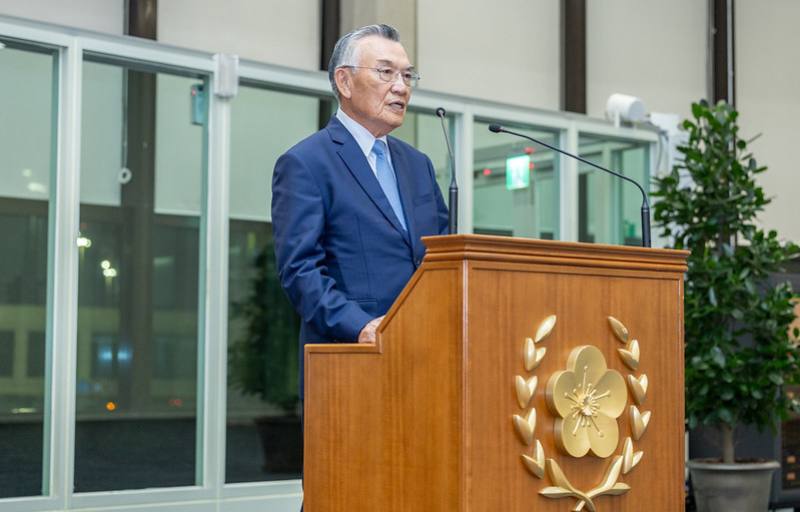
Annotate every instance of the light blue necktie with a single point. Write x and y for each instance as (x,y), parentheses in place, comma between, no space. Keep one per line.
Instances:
(388,180)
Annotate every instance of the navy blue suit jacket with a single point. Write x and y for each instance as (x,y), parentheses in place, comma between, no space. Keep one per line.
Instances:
(342,255)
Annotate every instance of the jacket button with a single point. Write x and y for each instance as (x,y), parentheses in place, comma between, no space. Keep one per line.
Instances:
(419,262)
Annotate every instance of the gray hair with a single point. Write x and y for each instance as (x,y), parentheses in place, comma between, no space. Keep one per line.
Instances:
(344,53)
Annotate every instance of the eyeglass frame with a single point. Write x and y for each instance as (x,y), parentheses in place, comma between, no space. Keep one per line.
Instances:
(412,80)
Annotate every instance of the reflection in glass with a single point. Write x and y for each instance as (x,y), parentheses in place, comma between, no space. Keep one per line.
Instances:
(608,207)
(139,262)
(264,438)
(515,183)
(27,139)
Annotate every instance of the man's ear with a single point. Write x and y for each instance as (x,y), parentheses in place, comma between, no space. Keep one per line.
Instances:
(344,82)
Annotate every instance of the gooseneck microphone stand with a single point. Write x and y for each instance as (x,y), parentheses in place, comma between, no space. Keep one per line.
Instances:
(496,128)
(453,199)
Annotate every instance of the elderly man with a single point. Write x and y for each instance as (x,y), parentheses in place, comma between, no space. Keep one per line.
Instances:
(349,203)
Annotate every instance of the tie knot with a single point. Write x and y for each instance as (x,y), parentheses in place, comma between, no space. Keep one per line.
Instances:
(379,148)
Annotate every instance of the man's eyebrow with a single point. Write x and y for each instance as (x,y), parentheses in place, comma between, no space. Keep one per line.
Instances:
(391,63)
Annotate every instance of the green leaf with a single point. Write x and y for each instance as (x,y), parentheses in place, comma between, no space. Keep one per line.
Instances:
(718,356)
(776,379)
(712,297)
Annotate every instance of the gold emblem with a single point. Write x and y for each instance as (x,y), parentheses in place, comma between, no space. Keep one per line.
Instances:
(587,399)
(638,388)
(619,330)
(630,355)
(526,390)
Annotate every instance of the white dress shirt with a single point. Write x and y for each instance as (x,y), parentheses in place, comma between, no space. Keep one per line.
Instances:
(364,139)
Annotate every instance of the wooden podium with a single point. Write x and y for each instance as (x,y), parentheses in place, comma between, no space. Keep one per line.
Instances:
(423,420)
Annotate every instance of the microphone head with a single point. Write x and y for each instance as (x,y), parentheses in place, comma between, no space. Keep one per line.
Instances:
(441,112)
(496,128)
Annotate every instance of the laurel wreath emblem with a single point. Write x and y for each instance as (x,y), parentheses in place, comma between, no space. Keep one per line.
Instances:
(536,461)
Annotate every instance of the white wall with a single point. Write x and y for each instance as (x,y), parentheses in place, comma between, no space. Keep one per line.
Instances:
(400,15)
(273,31)
(99,15)
(508,51)
(652,49)
(768,99)
(280,32)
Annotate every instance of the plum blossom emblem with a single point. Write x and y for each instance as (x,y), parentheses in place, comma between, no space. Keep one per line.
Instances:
(587,398)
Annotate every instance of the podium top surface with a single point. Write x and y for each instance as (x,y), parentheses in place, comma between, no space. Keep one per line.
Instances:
(526,250)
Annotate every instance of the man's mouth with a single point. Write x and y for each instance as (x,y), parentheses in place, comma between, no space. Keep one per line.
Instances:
(397,105)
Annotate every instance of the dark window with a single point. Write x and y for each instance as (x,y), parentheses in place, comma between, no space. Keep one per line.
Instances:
(175,357)
(35,354)
(6,353)
(104,356)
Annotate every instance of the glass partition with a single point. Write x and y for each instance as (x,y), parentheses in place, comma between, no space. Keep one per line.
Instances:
(264,437)
(608,207)
(143,146)
(515,183)
(27,160)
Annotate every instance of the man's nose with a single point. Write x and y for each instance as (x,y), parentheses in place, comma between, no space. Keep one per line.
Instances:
(398,86)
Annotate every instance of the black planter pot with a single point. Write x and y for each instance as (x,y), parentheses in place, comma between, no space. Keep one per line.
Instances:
(740,487)
(281,443)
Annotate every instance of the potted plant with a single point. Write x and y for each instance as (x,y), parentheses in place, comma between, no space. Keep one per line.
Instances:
(263,362)
(738,353)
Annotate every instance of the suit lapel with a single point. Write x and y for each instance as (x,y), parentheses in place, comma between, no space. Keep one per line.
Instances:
(402,170)
(357,164)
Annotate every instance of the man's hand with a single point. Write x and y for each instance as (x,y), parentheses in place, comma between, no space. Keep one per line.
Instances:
(367,334)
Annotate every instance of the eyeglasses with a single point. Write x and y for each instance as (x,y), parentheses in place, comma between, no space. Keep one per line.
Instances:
(389,75)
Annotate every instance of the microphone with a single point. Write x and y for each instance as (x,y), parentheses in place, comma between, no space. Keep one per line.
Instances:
(496,128)
(453,203)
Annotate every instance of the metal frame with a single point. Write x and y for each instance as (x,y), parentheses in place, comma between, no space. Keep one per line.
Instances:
(212,493)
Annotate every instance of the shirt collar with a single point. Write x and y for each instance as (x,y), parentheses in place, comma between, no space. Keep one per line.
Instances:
(363,137)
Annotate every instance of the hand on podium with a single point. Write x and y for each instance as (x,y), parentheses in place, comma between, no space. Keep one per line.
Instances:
(367,334)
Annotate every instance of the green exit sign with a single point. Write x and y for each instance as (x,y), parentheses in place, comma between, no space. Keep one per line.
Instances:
(518,174)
